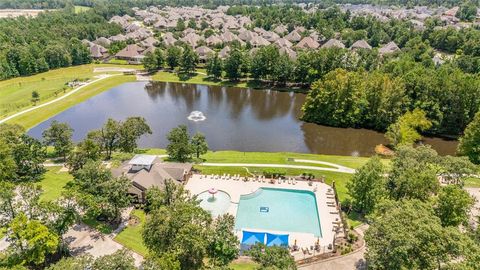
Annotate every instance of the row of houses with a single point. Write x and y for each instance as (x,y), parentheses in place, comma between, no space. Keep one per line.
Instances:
(145,40)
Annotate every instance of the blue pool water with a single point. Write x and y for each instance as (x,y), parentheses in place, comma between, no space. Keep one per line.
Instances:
(279,210)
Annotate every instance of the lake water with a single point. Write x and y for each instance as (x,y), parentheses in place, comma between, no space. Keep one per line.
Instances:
(234,119)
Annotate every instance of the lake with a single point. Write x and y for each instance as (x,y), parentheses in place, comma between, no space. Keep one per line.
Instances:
(231,119)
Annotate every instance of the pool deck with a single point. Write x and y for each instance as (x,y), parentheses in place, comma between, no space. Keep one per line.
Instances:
(329,215)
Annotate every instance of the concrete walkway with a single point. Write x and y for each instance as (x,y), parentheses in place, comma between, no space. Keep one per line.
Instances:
(352,261)
(101,77)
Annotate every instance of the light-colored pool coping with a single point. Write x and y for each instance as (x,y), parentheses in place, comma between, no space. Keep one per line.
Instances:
(326,207)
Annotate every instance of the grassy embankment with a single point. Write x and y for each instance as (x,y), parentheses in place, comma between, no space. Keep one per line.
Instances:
(80,9)
(15,94)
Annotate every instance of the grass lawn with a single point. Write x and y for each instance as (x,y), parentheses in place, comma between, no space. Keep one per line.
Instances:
(282,158)
(118,61)
(80,9)
(131,236)
(16,93)
(472,182)
(243,266)
(32,118)
(53,183)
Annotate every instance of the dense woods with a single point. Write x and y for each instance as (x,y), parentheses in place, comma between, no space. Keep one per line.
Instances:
(51,40)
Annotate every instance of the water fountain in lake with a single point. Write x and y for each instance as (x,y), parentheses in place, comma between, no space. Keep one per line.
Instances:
(196,116)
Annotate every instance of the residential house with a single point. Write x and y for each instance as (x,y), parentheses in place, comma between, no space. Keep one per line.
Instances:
(307,43)
(333,43)
(390,47)
(360,44)
(132,53)
(148,171)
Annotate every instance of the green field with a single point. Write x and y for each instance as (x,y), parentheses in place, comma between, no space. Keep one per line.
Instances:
(32,118)
(80,9)
(131,236)
(472,182)
(16,93)
(53,183)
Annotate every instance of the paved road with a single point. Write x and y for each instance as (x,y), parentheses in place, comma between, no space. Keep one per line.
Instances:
(352,261)
(57,99)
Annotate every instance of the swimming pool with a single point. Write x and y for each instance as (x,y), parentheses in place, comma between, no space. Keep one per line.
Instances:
(217,204)
(273,209)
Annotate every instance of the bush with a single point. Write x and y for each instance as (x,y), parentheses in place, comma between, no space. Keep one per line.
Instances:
(274,173)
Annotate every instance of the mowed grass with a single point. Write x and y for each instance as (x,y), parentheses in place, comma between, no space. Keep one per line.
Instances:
(131,236)
(16,93)
(472,182)
(244,266)
(80,9)
(199,78)
(53,183)
(35,117)
(282,158)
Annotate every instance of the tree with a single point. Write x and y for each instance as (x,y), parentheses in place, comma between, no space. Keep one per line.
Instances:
(469,144)
(73,263)
(181,229)
(224,244)
(188,60)
(406,129)
(199,144)
(166,261)
(275,257)
(232,65)
(407,235)
(179,147)
(173,57)
(453,205)
(130,131)
(29,155)
(214,67)
(35,97)
(414,173)
(85,151)
(154,61)
(30,241)
(109,136)
(99,192)
(7,163)
(467,11)
(180,25)
(60,136)
(367,186)
(170,195)
(121,259)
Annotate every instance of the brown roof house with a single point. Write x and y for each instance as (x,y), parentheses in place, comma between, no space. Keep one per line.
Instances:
(360,44)
(132,53)
(98,51)
(333,43)
(147,171)
(388,48)
(307,43)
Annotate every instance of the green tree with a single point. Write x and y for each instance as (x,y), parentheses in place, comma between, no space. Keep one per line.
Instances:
(367,187)
(467,11)
(180,25)
(223,247)
(119,260)
(73,263)
(30,241)
(188,60)
(469,144)
(109,135)
(7,163)
(275,258)
(29,155)
(214,67)
(35,97)
(181,229)
(407,235)
(153,61)
(167,261)
(232,65)
(99,192)
(179,147)
(59,135)
(453,205)
(173,57)
(405,131)
(86,150)
(199,144)
(414,173)
(130,131)
(170,195)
